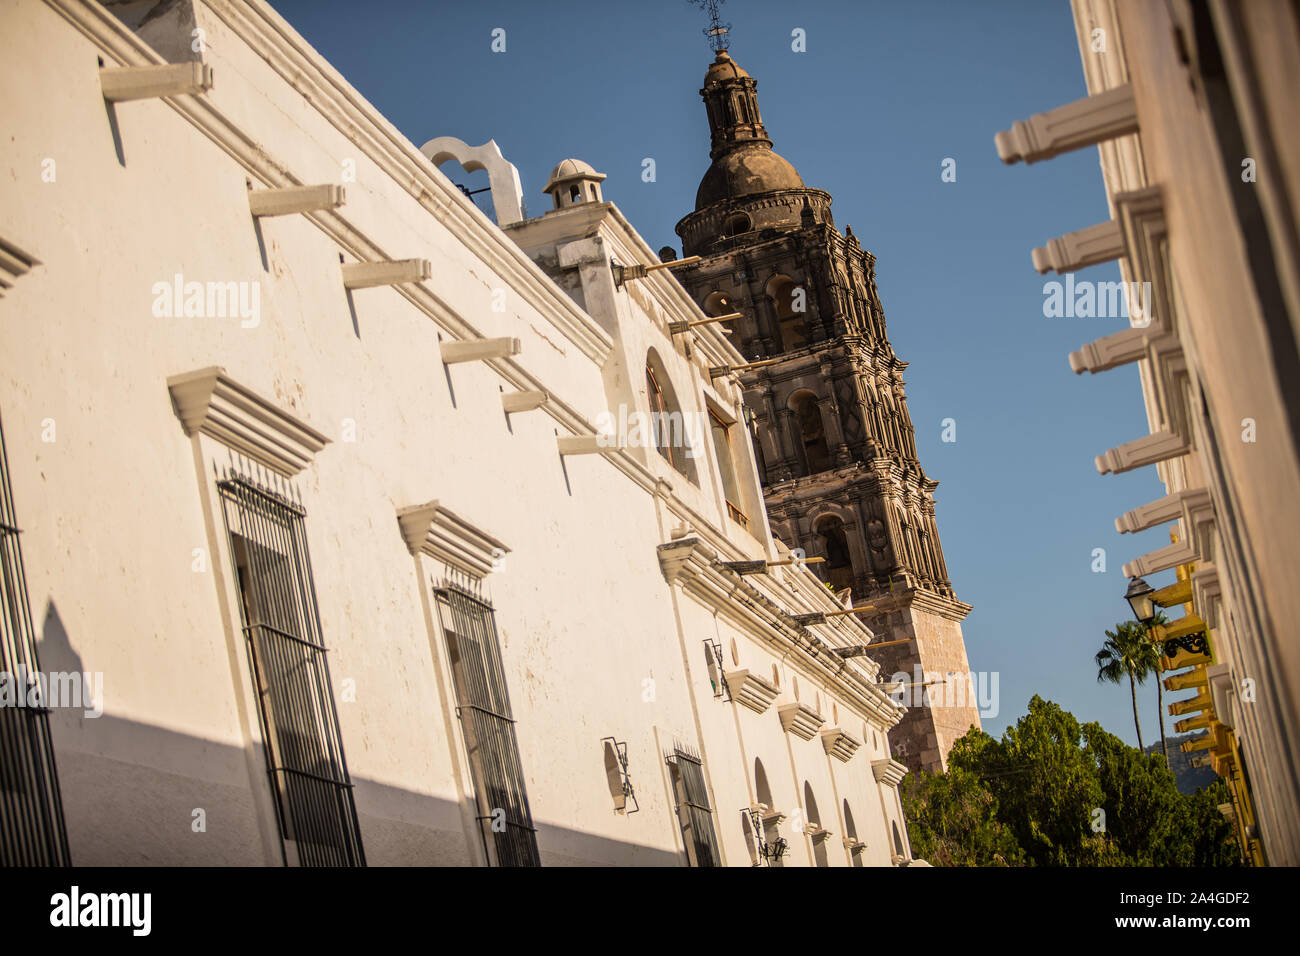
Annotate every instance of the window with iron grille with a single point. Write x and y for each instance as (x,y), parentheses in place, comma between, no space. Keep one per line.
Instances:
(483,706)
(32,831)
(693,811)
(304,748)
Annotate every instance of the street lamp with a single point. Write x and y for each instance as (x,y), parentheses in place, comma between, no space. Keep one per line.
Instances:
(1138,596)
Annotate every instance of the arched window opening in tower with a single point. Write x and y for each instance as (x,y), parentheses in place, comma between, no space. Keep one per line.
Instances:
(737,225)
(838,569)
(791,304)
(812,432)
(668,429)
(718,303)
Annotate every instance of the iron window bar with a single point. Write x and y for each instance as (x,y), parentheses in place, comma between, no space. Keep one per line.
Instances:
(488,726)
(314,802)
(693,811)
(32,829)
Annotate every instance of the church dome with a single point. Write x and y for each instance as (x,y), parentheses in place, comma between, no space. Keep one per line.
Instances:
(724,68)
(744,172)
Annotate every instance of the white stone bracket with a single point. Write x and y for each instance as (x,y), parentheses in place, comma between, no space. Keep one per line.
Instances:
(1086,122)
(365,275)
(295,199)
(1103,242)
(122,83)
(1160,446)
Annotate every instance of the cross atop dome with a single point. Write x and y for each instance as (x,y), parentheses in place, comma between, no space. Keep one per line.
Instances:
(717,30)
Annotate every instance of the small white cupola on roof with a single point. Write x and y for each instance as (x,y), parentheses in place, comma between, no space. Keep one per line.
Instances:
(573,182)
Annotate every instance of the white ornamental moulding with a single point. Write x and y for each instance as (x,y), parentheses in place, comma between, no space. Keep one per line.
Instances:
(1086,122)
(888,771)
(751,690)
(443,535)
(694,565)
(1141,214)
(1223,693)
(209,402)
(14,263)
(854,846)
(1207,595)
(1141,218)
(800,719)
(839,744)
(1170,382)
(1196,516)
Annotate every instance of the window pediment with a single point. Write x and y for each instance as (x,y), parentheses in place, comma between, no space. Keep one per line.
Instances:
(209,402)
(442,534)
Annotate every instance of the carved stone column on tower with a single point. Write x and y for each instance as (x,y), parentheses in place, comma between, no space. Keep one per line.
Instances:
(831,419)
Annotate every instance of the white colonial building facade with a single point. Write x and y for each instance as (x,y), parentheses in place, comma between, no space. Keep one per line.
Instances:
(334,528)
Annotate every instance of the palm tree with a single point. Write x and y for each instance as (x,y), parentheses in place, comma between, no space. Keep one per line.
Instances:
(1127,650)
(1160,684)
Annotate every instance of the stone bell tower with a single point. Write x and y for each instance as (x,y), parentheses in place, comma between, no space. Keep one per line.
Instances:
(835,444)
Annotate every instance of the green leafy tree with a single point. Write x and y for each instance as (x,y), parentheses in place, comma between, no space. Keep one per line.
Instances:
(1044,784)
(952,817)
(1144,810)
(1052,792)
(1127,651)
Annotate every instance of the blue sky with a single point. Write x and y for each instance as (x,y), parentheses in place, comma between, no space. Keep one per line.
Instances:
(883,94)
